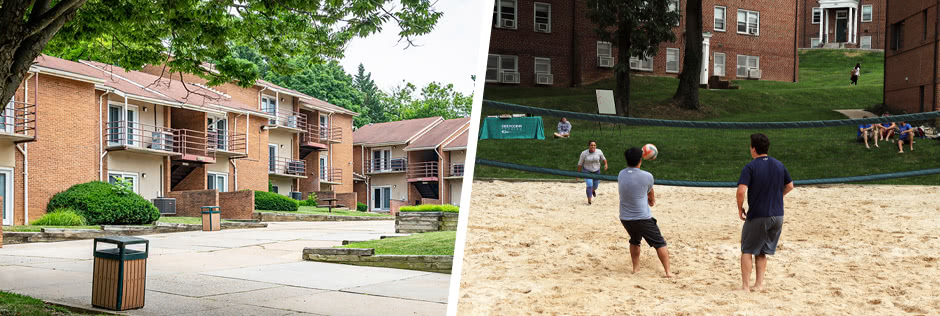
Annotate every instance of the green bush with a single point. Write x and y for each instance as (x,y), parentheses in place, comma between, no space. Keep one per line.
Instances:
(274,202)
(61,217)
(362,207)
(310,201)
(430,208)
(101,203)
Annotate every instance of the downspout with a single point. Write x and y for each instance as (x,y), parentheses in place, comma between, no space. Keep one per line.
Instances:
(101,136)
(796,44)
(25,151)
(440,180)
(329,120)
(884,74)
(933,85)
(235,173)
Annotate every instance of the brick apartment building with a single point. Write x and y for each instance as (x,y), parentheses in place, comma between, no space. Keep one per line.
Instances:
(911,57)
(418,161)
(74,122)
(846,23)
(553,43)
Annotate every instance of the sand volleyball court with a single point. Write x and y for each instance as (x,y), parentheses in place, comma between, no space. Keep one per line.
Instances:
(537,248)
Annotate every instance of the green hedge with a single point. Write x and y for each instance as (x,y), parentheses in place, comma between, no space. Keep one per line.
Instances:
(274,202)
(61,217)
(310,201)
(101,203)
(362,207)
(431,208)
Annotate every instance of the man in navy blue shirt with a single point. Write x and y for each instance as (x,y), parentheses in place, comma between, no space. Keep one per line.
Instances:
(765,181)
(906,135)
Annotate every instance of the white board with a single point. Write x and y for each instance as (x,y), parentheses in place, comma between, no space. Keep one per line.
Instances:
(605,102)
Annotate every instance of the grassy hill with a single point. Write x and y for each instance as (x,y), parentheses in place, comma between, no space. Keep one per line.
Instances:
(718,155)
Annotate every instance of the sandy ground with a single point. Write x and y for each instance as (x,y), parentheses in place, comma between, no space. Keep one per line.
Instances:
(538,248)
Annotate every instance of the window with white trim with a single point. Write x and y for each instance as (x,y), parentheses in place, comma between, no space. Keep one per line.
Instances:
(748,22)
(719,68)
(672,60)
(504,14)
(131,177)
(502,68)
(866,13)
(746,64)
(604,49)
(814,42)
(543,65)
(817,15)
(720,18)
(645,64)
(217,181)
(865,42)
(543,17)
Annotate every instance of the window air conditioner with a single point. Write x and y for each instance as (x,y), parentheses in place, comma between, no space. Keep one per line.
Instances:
(509,77)
(510,23)
(292,121)
(608,62)
(543,78)
(753,73)
(542,27)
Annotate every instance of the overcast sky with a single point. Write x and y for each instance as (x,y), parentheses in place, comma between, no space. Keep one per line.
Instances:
(447,55)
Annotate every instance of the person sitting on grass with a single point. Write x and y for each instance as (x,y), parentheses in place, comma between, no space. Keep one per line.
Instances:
(906,135)
(564,129)
(886,130)
(864,132)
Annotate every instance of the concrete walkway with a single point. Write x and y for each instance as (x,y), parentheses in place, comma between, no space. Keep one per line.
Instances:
(236,272)
(855,114)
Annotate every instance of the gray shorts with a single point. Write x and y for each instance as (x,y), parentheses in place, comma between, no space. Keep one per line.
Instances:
(760,235)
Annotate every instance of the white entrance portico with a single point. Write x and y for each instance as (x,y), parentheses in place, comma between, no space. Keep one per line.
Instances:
(846,21)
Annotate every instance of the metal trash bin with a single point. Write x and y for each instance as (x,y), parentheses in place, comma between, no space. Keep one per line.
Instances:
(211,218)
(120,274)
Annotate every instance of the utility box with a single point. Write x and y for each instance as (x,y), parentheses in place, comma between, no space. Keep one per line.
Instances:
(120,274)
(167,206)
(211,218)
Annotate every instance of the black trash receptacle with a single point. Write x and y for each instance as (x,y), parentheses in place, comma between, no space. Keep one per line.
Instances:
(120,274)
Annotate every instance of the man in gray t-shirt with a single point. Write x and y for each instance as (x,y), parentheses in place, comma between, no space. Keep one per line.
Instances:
(636,198)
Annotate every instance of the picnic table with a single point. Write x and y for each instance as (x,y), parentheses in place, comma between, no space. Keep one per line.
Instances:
(330,203)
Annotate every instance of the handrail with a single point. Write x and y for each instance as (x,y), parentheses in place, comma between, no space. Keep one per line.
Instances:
(142,135)
(423,169)
(286,118)
(287,166)
(321,134)
(194,143)
(331,175)
(456,169)
(19,119)
(386,165)
(230,142)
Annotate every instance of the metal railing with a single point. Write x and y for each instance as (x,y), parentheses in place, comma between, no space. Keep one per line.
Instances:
(230,142)
(386,165)
(422,169)
(194,143)
(284,118)
(321,134)
(124,133)
(331,175)
(287,166)
(19,118)
(456,170)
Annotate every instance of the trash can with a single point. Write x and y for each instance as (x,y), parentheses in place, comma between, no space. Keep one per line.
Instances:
(211,218)
(120,274)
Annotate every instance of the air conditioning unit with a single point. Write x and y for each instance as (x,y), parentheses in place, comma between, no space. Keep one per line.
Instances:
(542,27)
(608,62)
(167,206)
(158,141)
(753,73)
(296,195)
(509,23)
(295,167)
(509,77)
(543,78)
(292,121)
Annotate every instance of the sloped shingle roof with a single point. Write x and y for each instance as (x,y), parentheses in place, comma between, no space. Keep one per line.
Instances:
(437,135)
(393,132)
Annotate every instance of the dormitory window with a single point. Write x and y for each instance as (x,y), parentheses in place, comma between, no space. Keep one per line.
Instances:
(543,17)
(866,42)
(504,14)
(605,54)
(645,64)
(746,64)
(720,18)
(502,68)
(897,36)
(217,181)
(719,64)
(748,22)
(817,15)
(543,71)
(814,42)
(672,60)
(674,7)
(866,13)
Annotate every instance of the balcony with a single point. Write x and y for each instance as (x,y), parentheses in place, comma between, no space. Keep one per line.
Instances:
(456,170)
(142,138)
(331,176)
(288,120)
(229,144)
(286,167)
(18,122)
(393,165)
(316,137)
(194,146)
(423,171)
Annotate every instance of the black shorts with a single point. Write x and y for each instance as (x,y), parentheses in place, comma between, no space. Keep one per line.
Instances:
(646,229)
(759,236)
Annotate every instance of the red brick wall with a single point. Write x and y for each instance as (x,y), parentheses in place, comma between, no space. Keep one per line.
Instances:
(237,205)
(915,64)
(189,203)
(342,153)
(253,170)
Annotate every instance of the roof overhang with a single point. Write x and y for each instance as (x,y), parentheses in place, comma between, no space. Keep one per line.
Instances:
(455,148)
(65,74)
(379,144)
(421,148)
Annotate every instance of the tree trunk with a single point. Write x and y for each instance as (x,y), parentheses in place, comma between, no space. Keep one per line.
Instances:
(687,93)
(622,71)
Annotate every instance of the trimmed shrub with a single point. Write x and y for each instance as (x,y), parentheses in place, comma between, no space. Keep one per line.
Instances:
(274,202)
(362,207)
(310,201)
(61,217)
(431,208)
(102,203)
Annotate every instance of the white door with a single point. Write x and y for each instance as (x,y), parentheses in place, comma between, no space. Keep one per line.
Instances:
(272,158)
(324,173)
(6,191)
(381,196)
(219,127)
(324,127)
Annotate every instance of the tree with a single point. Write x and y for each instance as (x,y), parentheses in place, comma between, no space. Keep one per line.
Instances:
(687,93)
(371,95)
(132,34)
(435,99)
(635,28)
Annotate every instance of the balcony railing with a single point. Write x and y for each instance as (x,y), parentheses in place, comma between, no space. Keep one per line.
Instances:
(456,170)
(321,134)
(288,119)
(194,143)
(287,166)
(18,118)
(426,169)
(229,142)
(124,133)
(334,175)
(386,165)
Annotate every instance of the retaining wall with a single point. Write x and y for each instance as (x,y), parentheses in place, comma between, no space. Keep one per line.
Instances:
(421,222)
(62,234)
(289,217)
(367,257)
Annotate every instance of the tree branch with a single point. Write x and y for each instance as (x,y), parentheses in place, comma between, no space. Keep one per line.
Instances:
(50,16)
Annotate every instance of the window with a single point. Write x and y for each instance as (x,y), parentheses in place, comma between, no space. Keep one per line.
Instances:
(269,106)
(672,60)
(719,67)
(866,13)
(504,14)
(720,18)
(817,15)
(543,17)
(866,42)
(217,181)
(543,65)
(272,157)
(814,42)
(381,159)
(113,176)
(748,22)
(6,192)
(924,38)
(746,64)
(381,196)
(674,7)
(492,68)
(502,68)
(122,127)
(324,173)
(645,64)
(897,36)
(6,123)
(218,129)
(604,49)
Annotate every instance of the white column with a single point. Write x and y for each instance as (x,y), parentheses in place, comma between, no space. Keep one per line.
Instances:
(821,15)
(706,39)
(852,20)
(826,25)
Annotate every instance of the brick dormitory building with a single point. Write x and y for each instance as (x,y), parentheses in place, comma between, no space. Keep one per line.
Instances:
(912,55)
(845,23)
(74,122)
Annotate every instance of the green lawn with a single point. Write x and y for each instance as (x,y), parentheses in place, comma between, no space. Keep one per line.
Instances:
(325,211)
(433,243)
(719,154)
(38,228)
(15,304)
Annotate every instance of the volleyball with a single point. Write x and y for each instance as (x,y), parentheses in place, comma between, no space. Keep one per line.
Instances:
(650,152)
